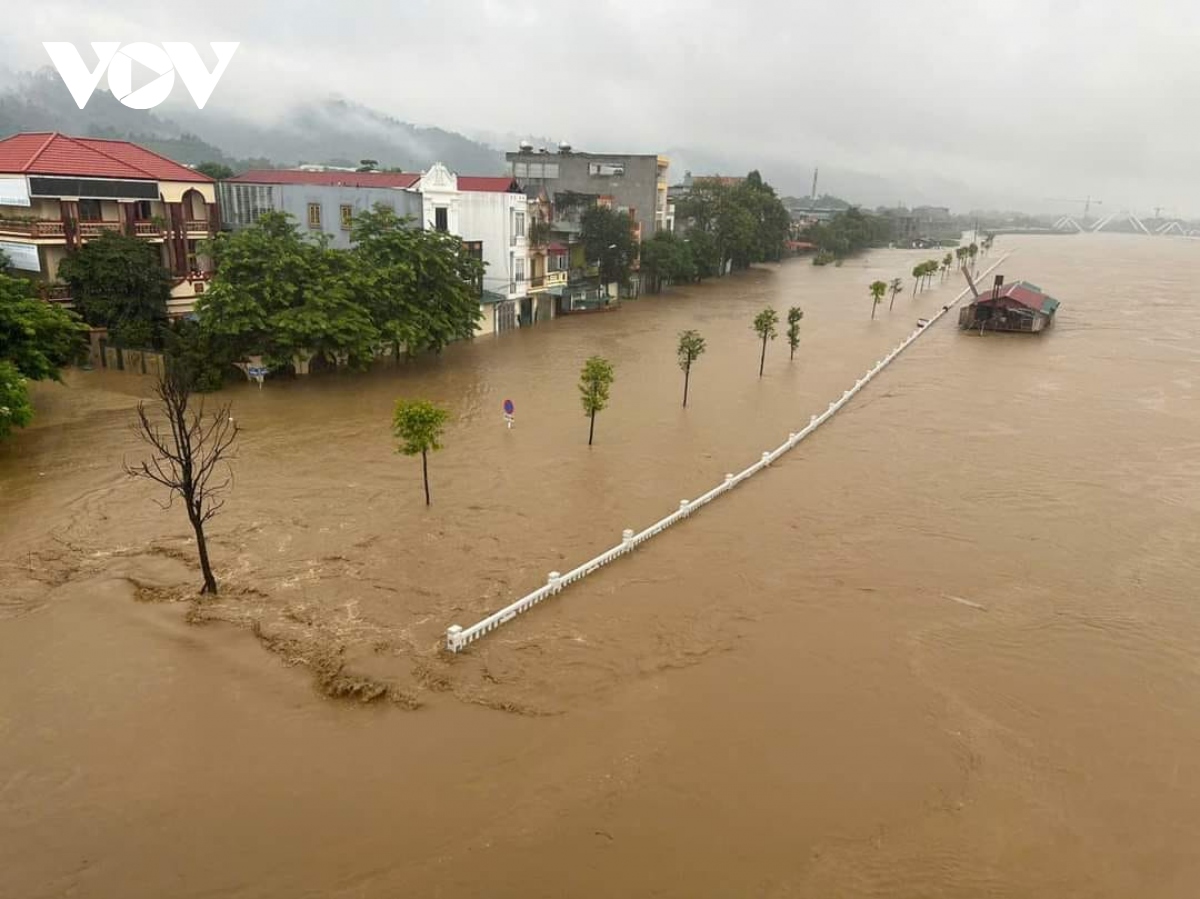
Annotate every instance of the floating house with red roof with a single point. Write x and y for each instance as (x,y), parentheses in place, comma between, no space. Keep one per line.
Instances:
(1016,306)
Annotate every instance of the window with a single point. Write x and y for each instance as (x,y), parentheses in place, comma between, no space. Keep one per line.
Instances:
(551,169)
(518,224)
(193,264)
(89,211)
(347,216)
(520,170)
(474,249)
(314,215)
(141,211)
(535,170)
(441,218)
(605,169)
(519,269)
(558,262)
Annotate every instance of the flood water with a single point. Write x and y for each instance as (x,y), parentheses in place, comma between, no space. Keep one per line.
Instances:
(947,647)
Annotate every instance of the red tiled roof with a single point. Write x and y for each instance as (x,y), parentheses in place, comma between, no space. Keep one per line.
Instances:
(330,179)
(557,248)
(51,153)
(500,185)
(1024,294)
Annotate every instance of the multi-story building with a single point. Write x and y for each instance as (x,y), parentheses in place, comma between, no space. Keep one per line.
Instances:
(59,192)
(489,214)
(321,200)
(635,182)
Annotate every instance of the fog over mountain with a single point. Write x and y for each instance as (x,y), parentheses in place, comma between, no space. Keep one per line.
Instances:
(1025,103)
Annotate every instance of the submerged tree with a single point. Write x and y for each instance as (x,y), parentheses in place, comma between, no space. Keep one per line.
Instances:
(947,264)
(190,457)
(878,289)
(691,347)
(594,382)
(795,314)
(418,424)
(895,287)
(764,325)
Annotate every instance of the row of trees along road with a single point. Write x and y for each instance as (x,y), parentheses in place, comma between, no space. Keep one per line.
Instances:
(37,339)
(419,424)
(280,293)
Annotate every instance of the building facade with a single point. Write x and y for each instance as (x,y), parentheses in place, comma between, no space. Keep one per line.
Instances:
(59,192)
(636,182)
(319,200)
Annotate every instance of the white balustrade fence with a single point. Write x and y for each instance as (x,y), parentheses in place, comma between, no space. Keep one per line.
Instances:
(458,638)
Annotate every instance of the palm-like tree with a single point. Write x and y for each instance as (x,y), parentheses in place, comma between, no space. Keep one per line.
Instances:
(947,264)
(878,289)
(895,287)
(918,273)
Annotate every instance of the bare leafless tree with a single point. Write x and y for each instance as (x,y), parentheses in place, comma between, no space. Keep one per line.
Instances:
(190,454)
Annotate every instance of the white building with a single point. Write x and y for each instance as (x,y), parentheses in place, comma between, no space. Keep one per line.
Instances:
(491,214)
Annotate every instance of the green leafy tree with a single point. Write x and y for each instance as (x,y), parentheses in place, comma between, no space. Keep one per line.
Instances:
(878,289)
(418,425)
(118,282)
(895,287)
(16,410)
(421,288)
(703,254)
(918,274)
(36,337)
(691,347)
(368,165)
(218,171)
(595,380)
(5,264)
(189,457)
(280,293)
(765,326)
(972,252)
(794,316)
(947,264)
(849,232)
(607,236)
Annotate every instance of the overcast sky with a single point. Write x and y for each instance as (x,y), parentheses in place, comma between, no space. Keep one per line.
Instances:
(1023,98)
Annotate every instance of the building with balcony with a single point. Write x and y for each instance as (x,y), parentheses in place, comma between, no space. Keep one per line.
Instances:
(59,192)
(324,200)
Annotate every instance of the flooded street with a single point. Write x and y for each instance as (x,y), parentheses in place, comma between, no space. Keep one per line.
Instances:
(946,647)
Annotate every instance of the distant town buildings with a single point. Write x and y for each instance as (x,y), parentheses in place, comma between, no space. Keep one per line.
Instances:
(59,192)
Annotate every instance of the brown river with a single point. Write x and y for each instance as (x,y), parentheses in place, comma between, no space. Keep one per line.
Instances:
(948,647)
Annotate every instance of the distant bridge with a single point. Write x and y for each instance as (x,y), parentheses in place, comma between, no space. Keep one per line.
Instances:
(1161,227)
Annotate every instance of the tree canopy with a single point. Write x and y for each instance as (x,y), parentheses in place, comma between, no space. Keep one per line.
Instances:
(666,258)
(280,293)
(849,232)
(118,282)
(218,171)
(742,223)
(607,237)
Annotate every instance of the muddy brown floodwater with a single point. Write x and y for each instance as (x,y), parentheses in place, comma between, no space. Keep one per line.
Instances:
(947,647)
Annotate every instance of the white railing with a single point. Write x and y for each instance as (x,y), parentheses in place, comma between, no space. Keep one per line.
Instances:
(458,638)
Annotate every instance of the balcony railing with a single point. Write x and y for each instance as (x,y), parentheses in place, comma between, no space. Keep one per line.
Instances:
(147,229)
(34,229)
(55,293)
(95,229)
(556,279)
(193,225)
